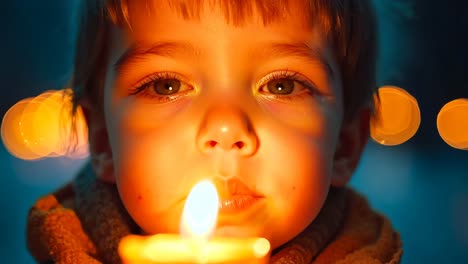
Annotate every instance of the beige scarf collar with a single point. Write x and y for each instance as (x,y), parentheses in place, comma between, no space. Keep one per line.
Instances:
(84,222)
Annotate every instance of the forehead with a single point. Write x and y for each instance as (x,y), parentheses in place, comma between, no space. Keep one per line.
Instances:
(125,13)
(148,20)
(284,26)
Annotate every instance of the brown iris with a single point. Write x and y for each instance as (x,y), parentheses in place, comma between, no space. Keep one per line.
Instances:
(167,86)
(281,86)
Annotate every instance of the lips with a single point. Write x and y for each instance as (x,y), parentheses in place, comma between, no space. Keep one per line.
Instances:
(235,196)
(237,203)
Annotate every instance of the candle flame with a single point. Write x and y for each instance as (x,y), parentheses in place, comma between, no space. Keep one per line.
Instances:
(200,211)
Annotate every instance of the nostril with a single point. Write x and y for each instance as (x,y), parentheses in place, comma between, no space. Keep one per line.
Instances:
(211,143)
(239,144)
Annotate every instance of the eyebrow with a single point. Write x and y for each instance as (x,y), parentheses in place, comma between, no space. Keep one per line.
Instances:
(301,50)
(170,49)
(137,52)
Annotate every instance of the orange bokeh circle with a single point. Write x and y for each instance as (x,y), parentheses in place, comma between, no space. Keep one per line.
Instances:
(397,116)
(452,123)
(12,132)
(41,127)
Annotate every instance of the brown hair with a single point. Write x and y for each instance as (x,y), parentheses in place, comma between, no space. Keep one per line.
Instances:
(349,25)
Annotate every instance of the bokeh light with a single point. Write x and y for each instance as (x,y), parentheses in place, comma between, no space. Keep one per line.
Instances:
(452,123)
(397,116)
(41,127)
(12,132)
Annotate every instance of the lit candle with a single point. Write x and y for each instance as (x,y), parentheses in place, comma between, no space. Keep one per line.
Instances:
(195,244)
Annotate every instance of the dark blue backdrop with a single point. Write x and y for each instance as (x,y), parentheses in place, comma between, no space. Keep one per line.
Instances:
(421,185)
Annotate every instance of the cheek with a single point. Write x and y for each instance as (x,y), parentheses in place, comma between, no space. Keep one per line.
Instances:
(147,143)
(299,168)
(147,186)
(298,187)
(296,169)
(300,154)
(151,158)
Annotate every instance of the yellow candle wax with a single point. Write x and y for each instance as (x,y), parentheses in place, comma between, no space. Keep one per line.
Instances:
(195,244)
(172,248)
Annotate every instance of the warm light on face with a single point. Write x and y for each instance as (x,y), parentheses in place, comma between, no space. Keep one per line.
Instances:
(452,123)
(226,121)
(397,118)
(200,211)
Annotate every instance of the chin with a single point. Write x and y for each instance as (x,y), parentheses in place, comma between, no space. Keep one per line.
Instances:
(237,231)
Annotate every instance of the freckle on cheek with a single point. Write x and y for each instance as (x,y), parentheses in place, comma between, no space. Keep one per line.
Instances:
(294,188)
(139,197)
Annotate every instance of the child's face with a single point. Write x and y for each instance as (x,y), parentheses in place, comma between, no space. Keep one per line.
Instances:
(250,107)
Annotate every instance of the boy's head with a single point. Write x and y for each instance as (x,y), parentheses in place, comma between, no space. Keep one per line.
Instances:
(268,99)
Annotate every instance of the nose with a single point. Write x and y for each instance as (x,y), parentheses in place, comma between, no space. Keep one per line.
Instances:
(228,129)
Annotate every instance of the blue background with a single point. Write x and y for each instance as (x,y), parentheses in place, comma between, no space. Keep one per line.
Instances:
(421,185)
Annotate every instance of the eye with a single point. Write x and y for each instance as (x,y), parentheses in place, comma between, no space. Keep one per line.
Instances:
(281,86)
(162,87)
(286,84)
(166,86)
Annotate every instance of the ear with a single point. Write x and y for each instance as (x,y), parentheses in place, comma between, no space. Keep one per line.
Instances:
(353,138)
(99,147)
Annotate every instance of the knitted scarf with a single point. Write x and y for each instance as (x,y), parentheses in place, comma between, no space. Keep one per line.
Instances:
(84,221)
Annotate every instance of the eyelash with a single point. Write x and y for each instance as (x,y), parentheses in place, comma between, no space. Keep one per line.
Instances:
(142,87)
(294,76)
